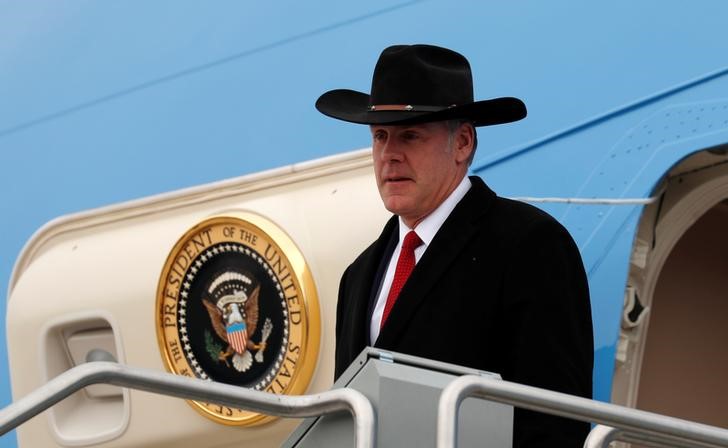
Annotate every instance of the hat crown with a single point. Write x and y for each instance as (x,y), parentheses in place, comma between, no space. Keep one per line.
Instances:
(421,75)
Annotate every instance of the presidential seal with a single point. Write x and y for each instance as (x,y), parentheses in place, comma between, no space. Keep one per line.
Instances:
(236,304)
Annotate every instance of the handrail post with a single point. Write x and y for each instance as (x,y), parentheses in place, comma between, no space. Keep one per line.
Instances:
(297,406)
(601,436)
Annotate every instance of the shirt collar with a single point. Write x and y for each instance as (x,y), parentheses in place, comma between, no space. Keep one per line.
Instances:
(428,227)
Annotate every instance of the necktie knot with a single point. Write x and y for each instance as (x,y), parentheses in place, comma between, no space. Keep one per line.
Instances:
(411,241)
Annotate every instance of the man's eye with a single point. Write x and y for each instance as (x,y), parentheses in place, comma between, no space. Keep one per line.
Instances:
(410,136)
(379,136)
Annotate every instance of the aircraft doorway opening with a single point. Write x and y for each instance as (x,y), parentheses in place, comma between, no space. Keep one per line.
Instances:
(685,360)
(673,353)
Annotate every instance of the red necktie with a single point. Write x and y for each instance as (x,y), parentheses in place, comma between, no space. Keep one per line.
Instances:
(405,264)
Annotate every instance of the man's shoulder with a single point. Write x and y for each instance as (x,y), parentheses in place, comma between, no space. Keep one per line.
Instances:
(525,223)
(510,209)
(511,216)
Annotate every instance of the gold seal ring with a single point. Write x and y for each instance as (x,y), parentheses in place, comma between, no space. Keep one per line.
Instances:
(236,303)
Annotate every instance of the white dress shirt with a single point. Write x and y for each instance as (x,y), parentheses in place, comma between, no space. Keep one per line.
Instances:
(426,230)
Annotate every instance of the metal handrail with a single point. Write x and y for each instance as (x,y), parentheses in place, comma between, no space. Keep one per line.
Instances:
(602,435)
(296,406)
(632,425)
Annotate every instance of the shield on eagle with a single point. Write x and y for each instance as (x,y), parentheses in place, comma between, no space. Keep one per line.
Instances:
(237,337)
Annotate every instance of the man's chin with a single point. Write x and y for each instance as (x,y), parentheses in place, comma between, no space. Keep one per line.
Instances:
(399,207)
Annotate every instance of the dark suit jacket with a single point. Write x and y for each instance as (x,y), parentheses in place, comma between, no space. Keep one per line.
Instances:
(500,288)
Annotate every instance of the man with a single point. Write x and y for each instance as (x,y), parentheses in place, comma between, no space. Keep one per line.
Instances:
(459,274)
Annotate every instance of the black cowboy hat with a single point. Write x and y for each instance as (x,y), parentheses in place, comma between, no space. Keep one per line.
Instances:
(416,84)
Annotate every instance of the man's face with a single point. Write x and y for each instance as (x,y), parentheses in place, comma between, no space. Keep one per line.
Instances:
(418,166)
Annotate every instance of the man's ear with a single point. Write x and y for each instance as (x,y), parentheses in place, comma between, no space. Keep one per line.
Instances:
(464,142)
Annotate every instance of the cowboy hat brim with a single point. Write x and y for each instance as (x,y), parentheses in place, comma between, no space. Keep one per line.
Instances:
(353,106)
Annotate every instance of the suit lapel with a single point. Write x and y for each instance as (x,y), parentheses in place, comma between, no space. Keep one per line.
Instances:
(449,242)
(386,255)
(365,285)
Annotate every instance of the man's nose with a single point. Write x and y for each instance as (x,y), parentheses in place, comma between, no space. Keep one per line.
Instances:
(391,150)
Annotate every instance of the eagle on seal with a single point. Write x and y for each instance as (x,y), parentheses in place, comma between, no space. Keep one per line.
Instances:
(234,317)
